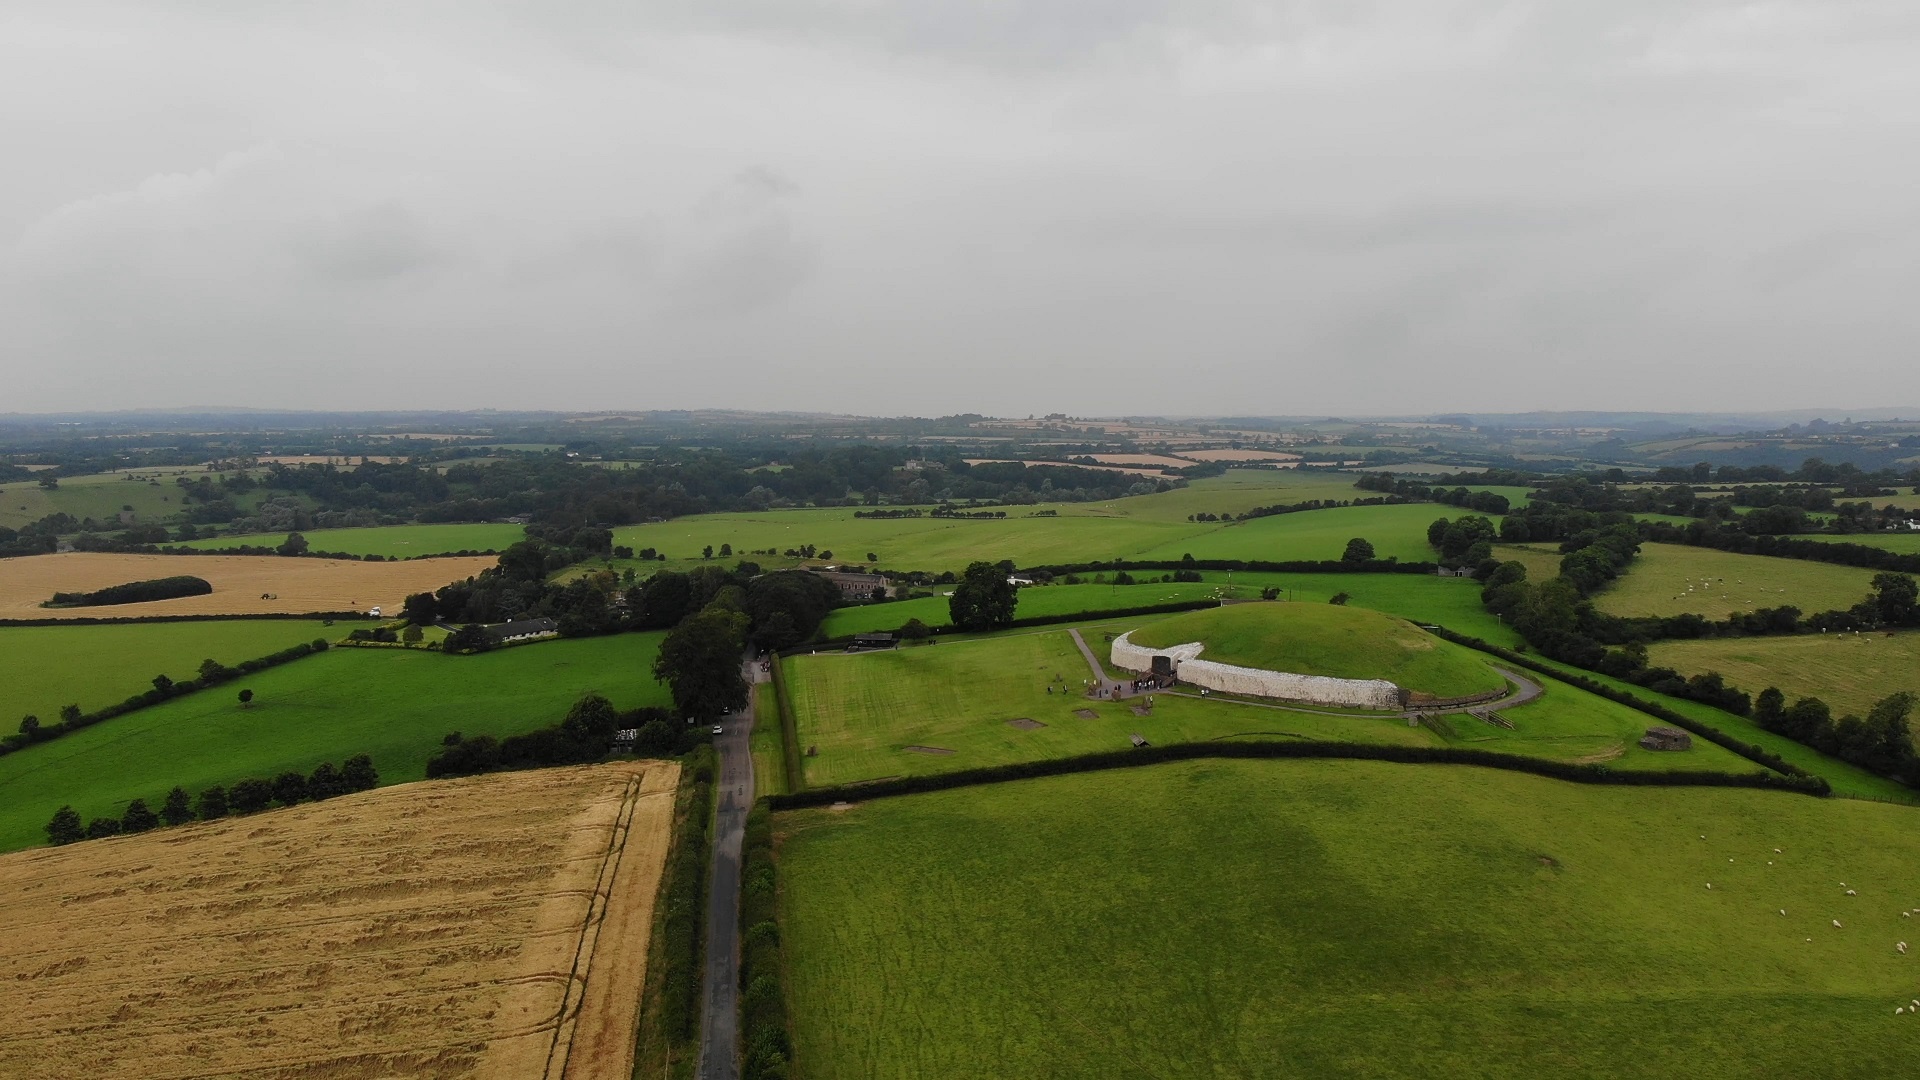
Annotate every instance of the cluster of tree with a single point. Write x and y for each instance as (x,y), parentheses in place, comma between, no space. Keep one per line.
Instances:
(40,537)
(1466,541)
(1295,508)
(1850,478)
(1538,521)
(1484,502)
(1882,743)
(585,734)
(767,1049)
(135,592)
(984,599)
(212,673)
(245,797)
(517,588)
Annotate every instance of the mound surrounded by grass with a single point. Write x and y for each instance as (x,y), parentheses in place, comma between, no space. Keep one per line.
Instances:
(1327,640)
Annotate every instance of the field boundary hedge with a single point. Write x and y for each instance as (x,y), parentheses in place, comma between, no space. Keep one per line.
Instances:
(135,592)
(1789,546)
(123,620)
(766,1043)
(1154,755)
(671,1005)
(789,728)
(1759,755)
(14,743)
(949,629)
(1296,566)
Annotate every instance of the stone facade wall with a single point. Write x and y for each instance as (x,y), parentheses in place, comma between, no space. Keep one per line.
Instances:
(1256,682)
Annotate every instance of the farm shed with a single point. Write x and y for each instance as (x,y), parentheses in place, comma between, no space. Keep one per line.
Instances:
(521,630)
(863,642)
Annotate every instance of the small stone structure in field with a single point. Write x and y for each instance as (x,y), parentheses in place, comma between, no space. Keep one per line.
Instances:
(1666,738)
(1257,682)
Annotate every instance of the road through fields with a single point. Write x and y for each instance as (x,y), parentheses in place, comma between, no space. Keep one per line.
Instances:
(719,1025)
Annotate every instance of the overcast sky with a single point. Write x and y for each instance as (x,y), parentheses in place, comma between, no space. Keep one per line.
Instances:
(1006,206)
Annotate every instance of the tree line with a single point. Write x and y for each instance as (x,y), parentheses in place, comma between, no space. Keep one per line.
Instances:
(248,796)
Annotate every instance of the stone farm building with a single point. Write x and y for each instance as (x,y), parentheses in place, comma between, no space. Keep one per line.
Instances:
(854,586)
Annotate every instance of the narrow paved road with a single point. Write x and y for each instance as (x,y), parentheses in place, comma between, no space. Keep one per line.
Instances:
(719,1030)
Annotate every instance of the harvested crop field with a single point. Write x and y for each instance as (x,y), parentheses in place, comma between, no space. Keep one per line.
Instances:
(242,584)
(487,927)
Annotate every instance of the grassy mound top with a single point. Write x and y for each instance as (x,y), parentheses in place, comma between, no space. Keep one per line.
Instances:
(1325,639)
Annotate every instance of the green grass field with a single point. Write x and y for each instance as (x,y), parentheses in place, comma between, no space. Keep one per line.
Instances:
(45,667)
(1672,579)
(154,497)
(394,704)
(1848,671)
(1451,602)
(1541,560)
(862,712)
(1906,543)
(1326,639)
(1348,919)
(389,541)
(1144,526)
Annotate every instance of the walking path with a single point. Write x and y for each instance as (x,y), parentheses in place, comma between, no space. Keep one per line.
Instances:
(719,1031)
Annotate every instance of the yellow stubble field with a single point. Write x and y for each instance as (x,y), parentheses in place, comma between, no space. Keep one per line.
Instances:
(489,927)
(242,584)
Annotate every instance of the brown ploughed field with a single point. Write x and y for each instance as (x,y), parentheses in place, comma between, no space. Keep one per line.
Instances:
(242,584)
(489,927)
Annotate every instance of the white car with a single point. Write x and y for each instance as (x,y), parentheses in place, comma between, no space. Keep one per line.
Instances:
(718,729)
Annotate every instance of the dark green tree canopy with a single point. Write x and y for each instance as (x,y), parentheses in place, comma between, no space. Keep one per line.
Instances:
(700,661)
(984,599)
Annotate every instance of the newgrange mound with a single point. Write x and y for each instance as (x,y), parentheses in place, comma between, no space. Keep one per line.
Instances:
(488,927)
(1329,641)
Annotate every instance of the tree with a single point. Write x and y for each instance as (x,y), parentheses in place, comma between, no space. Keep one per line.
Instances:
(656,738)
(246,698)
(178,809)
(294,544)
(469,638)
(707,552)
(1770,708)
(250,796)
(591,724)
(162,684)
(30,727)
(213,804)
(422,609)
(1358,551)
(1898,598)
(65,828)
(70,715)
(103,826)
(1339,599)
(983,600)
(914,630)
(325,782)
(138,818)
(412,634)
(290,788)
(359,773)
(872,558)
(700,661)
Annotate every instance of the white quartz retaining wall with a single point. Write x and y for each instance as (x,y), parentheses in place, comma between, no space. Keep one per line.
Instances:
(1257,682)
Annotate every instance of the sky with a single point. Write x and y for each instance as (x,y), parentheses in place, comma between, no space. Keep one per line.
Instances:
(939,206)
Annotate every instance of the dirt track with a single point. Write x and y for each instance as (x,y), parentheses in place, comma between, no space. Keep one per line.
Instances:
(488,927)
(297,586)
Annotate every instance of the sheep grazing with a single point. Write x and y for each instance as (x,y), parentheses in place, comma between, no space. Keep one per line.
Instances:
(1783,911)
(1902,946)
(1850,892)
(1776,851)
(1836,924)
(1709,886)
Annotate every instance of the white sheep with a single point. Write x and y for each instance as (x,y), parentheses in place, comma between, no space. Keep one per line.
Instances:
(1850,892)
(1902,946)
(1776,851)
(1836,924)
(1709,886)
(1783,911)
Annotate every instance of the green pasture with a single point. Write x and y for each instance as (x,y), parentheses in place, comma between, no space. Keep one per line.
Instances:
(45,667)
(1906,543)
(1848,671)
(1143,526)
(395,704)
(1849,781)
(101,497)
(1541,560)
(1672,579)
(1330,640)
(862,711)
(1348,919)
(1450,602)
(1395,531)
(387,541)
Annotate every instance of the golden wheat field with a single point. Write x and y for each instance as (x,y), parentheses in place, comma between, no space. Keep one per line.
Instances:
(490,927)
(242,584)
